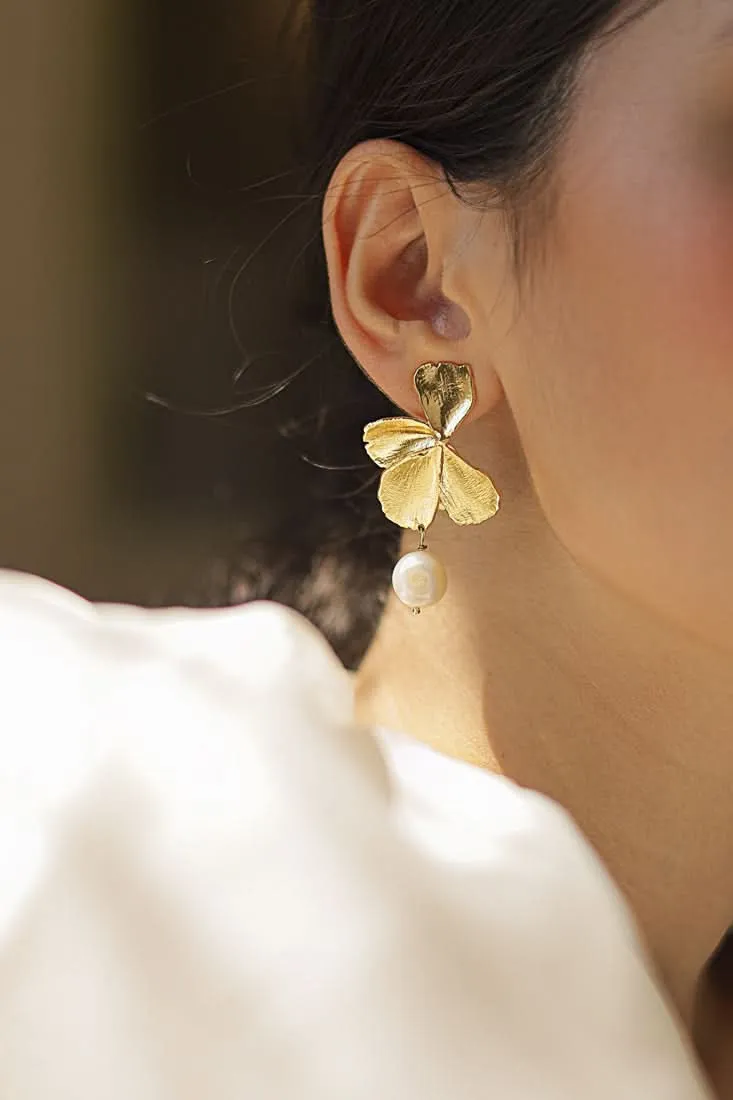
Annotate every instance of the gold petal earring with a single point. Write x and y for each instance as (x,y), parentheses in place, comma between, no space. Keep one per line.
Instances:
(422,473)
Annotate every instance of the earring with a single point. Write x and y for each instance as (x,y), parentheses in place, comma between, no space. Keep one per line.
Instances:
(422,473)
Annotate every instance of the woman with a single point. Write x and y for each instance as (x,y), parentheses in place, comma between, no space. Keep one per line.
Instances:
(240,883)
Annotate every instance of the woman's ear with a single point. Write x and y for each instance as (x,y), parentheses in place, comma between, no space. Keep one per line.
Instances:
(391,224)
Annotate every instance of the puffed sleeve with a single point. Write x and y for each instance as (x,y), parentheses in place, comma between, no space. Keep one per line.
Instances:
(211,887)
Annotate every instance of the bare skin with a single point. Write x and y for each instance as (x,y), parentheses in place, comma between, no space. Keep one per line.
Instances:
(585,646)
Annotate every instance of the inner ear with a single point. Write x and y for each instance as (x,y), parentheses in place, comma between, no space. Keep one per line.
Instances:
(400,289)
(449,320)
(405,292)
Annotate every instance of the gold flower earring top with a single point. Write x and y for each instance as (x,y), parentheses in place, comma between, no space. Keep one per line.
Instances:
(422,473)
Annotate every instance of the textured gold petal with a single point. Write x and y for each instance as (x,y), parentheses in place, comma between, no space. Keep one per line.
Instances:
(446,393)
(468,495)
(408,492)
(391,440)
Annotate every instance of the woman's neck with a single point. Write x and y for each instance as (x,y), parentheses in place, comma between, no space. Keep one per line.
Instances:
(534,669)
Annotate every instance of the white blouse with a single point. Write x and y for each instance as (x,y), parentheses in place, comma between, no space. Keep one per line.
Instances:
(215,885)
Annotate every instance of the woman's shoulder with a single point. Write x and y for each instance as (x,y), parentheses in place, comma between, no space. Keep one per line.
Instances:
(198,841)
(60,654)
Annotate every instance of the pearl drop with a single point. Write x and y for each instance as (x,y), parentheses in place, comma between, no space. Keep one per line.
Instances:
(419,579)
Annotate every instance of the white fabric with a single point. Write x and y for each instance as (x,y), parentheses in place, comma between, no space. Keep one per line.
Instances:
(215,885)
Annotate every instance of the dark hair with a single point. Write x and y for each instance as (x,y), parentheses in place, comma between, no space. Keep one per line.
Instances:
(484,88)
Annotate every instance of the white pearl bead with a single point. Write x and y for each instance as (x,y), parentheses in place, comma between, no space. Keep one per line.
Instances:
(419,579)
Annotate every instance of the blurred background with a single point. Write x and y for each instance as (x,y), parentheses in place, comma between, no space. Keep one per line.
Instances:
(147,202)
